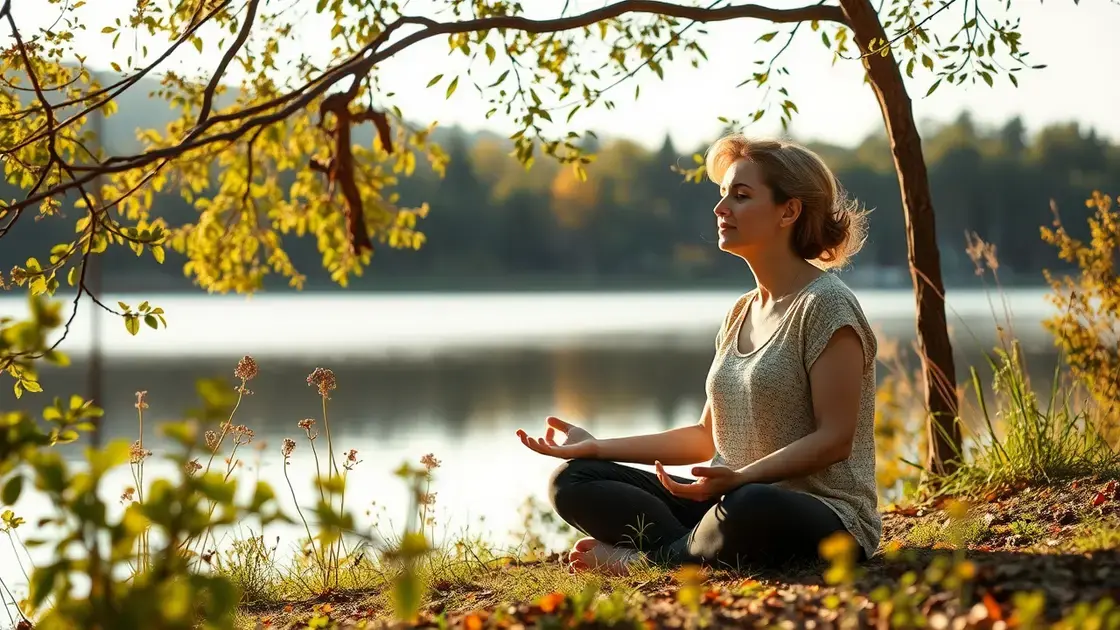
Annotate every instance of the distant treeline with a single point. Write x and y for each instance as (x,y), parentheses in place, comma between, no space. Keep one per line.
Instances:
(636,223)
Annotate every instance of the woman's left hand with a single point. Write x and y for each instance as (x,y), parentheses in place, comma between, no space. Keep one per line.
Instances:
(713,482)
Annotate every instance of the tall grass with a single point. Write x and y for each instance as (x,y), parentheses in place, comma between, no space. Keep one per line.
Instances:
(1015,431)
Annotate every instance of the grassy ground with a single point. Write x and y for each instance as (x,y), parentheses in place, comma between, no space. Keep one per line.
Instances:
(1051,553)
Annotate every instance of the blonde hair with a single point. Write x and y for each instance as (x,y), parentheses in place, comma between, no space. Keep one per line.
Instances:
(831,228)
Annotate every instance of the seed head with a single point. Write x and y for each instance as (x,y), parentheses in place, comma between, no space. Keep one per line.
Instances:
(246,369)
(137,453)
(142,400)
(286,450)
(429,461)
(212,441)
(323,380)
(351,459)
(308,425)
(193,466)
(242,434)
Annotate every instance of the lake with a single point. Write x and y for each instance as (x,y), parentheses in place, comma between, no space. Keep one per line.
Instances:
(451,374)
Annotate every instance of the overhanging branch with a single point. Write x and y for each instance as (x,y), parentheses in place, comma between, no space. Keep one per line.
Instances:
(368,57)
(817,12)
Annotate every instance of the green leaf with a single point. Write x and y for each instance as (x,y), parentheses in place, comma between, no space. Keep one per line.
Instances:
(197,41)
(150,320)
(927,61)
(435,80)
(451,88)
(12,490)
(933,87)
(108,29)
(132,324)
(490,52)
(767,37)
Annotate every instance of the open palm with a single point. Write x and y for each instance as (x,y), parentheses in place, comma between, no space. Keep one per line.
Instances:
(578,443)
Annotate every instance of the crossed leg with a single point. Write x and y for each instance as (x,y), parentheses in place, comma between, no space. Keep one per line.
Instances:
(625,510)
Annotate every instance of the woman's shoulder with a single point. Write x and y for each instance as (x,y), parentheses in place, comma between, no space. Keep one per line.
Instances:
(828,305)
(829,291)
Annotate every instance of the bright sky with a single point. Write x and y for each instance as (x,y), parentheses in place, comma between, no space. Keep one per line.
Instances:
(1079,44)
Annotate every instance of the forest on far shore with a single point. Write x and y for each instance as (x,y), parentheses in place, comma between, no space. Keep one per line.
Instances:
(635,223)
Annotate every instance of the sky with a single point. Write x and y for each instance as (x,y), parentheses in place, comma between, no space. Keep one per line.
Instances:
(1078,43)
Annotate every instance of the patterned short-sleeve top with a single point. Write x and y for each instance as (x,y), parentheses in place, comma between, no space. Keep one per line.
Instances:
(761,401)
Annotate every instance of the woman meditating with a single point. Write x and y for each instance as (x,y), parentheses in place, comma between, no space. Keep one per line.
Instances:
(787,429)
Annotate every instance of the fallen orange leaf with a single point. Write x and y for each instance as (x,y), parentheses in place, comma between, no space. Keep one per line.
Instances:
(549,603)
(472,622)
(1099,499)
(995,613)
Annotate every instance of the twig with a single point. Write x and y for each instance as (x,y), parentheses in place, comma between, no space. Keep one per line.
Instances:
(227,58)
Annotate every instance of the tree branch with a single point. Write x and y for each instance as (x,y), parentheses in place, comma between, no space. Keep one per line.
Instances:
(369,56)
(818,12)
(117,88)
(227,58)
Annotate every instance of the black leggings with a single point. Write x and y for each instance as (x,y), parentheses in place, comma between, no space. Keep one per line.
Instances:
(755,524)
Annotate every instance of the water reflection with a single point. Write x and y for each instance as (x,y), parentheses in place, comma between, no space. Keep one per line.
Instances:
(387,399)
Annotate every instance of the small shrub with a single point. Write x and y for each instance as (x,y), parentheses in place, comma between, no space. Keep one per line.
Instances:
(1088,327)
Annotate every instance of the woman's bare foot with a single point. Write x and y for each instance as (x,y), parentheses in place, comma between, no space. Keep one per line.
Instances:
(590,554)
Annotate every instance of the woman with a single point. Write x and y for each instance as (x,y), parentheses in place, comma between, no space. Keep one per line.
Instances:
(788,422)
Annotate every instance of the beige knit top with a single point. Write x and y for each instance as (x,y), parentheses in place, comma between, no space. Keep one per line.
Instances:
(761,400)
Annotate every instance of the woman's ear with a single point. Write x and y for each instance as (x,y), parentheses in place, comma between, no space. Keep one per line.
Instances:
(791,210)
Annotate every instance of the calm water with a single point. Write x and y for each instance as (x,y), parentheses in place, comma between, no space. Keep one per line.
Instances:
(453,375)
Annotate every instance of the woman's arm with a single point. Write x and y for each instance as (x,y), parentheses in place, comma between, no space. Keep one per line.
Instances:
(835,382)
(674,447)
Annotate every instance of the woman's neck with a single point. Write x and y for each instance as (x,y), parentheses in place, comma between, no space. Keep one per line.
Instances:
(779,274)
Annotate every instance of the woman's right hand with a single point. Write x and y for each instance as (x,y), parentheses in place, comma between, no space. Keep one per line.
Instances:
(578,443)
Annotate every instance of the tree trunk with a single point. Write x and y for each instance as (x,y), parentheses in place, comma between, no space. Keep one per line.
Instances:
(938,371)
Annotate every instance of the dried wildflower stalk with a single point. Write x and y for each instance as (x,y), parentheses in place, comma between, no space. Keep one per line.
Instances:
(136,456)
(246,370)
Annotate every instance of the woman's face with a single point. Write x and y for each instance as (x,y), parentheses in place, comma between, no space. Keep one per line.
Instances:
(747,218)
